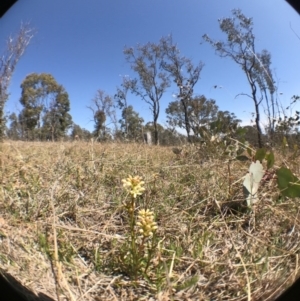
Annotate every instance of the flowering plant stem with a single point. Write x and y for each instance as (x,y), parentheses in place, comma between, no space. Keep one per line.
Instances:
(135,258)
(142,228)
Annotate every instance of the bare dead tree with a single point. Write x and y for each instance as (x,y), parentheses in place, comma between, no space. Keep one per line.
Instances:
(15,48)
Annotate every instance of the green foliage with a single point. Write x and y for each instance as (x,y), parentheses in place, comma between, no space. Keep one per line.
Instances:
(204,118)
(97,260)
(81,133)
(256,66)
(65,250)
(226,123)
(121,95)
(57,120)
(14,131)
(199,110)
(250,135)
(104,115)
(260,155)
(166,136)
(184,74)
(131,124)
(270,160)
(287,127)
(100,118)
(46,107)
(288,183)
(121,99)
(152,82)
(136,253)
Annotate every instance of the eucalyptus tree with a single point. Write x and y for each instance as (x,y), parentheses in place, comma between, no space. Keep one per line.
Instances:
(121,99)
(81,133)
(57,119)
(226,123)
(131,124)
(46,106)
(200,113)
(240,47)
(152,80)
(185,75)
(104,114)
(266,83)
(100,129)
(14,130)
(15,48)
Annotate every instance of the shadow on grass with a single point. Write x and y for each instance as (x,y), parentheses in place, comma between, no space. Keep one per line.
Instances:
(13,290)
(292,293)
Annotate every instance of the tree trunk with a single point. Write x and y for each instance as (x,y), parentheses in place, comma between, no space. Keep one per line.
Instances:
(257,118)
(155,133)
(2,124)
(186,121)
(256,104)
(260,144)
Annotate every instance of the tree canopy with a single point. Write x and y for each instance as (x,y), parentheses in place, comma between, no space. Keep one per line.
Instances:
(153,80)
(184,74)
(46,107)
(158,67)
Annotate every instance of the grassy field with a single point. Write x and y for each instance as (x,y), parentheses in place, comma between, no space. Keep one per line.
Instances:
(71,229)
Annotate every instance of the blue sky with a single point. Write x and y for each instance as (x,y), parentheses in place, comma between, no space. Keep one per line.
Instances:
(81,44)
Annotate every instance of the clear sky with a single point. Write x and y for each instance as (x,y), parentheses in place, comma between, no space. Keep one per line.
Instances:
(81,42)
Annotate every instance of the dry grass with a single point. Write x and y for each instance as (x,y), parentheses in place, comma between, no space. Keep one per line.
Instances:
(62,224)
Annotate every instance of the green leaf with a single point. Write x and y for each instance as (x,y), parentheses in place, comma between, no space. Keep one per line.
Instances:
(288,184)
(260,155)
(270,160)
